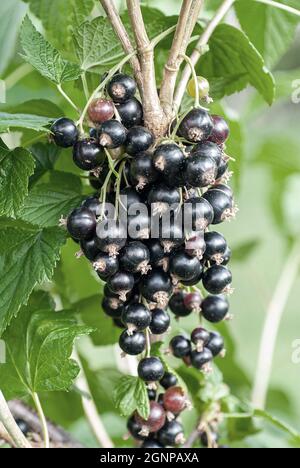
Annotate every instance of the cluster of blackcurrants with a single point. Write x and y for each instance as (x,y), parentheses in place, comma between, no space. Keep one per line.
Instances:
(145,275)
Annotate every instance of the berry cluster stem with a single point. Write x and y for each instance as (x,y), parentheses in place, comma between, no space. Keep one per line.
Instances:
(10,425)
(43,420)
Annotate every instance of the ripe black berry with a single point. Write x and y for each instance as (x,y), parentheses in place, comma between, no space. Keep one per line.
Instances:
(216,246)
(222,168)
(131,113)
(130,197)
(139,226)
(90,248)
(64,132)
(135,258)
(132,344)
(171,434)
(215,343)
(200,337)
(200,171)
(215,308)
(160,322)
(224,188)
(196,126)
(150,369)
(23,426)
(220,131)
(111,237)
(121,283)
(201,359)
(193,281)
(136,317)
(138,139)
(155,421)
(162,198)
(93,204)
(199,212)
(168,380)
(172,235)
(169,161)
(177,306)
(152,394)
(112,134)
(81,224)
(183,267)
(113,307)
(195,246)
(135,429)
(101,110)
(142,172)
(217,279)
(180,346)
(156,287)
(106,265)
(221,203)
(175,400)
(121,88)
(192,301)
(207,149)
(152,444)
(87,155)
(156,250)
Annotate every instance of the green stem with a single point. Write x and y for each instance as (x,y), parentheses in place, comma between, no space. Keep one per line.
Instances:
(85,85)
(67,98)
(162,35)
(197,94)
(281,6)
(111,163)
(148,343)
(28,143)
(43,420)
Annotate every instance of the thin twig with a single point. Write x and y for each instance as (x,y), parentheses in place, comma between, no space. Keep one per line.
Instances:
(43,420)
(67,98)
(5,437)
(202,43)
(281,6)
(11,426)
(119,28)
(271,327)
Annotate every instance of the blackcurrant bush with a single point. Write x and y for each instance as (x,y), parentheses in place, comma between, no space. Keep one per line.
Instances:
(200,360)
(151,444)
(220,131)
(199,213)
(135,258)
(195,246)
(111,237)
(216,247)
(155,421)
(161,198)
(90,248)
(106,266)
(192,301)
(180,346)
(113,307)
(171,434)
(157,287)
(64,132)
(217,279)
(112,134)
(87,155)
(131,113)
(168,380)
(135,429)
(177,306)
(183,267)
(200,337)
(175,400)
(139,139)
(101,110)
(215,308)
(196,126)
(200,171)
(81,224)
(142,172)
(169,161)
(132,344)
(121,87)
(150,369)
(222,205)
(136,317)
(160,322)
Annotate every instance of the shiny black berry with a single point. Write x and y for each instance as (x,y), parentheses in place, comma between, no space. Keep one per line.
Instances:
(215,308)
(135,429)
(138,139)
(202,358)
(90,248)
(224,188)
(142,172)
(139,225)
(92,203)
(150,369)
(200,337)
(131,113)
(132,344)
(156,250)
(169,161)
(135,258)
(121,87)
(121,283)
(171,434)
(64,132)
(216,247)
(183,267)
(168,380)
(222,168)
(171,235)
(195,246)
(180,346)
(112,134)
(160,322)
(81,224)
(215,343)
(136,317)
(196,126)
(113,307)
(217,279)
(198,214)
(106,265)
(207,149)
(129,197)
(221,203)
(220,131)
(87,155)
(157,287)
(111,237)
(152,444)
(177,305)
(161,198)
(200,171)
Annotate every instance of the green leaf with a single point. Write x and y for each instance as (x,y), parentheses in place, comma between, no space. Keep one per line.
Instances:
(45,157)
(28,256)
(39,345)
(91,314)
(44,57)
(16,166)
(41,107)
(131,395)
(279,424)
(271,154)
(270,29)
(47,203)
(235,60)
(32,122)
(242,252)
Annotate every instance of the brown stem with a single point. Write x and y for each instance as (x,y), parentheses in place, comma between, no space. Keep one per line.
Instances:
(196,55)
(189,14)
(116,22)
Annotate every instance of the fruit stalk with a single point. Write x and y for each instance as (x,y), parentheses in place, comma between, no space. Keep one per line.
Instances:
(11,426)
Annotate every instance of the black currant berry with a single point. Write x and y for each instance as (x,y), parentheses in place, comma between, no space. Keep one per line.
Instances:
(200,171)
(216,247)
(200,337)
(183,267)
(161,198)
(168,380)
(131,113)
(175,400)
(192,302)
(150,369)
(132,344)
(171,434)
(95,181)
(87,155)
(81,224)
(195,246)
(121,88)
(222,205)
(160,322)
(207,149)
(198,214)
(215,343)
(111,237)
(220,131)
(226,257)
(193,281)
(121,283)
(215,308)
(139,226)
(112,134)
(172,235)
(156,250)
(93,204)
(135,429)
(224,188)
(136,317)
(106,266)
(155,421)
(135,258)
(196,126)
(90,248)
(200,360)
(23,426)
(101,110)
(169,161)
(217,279)
(151,444)
(222,168)
(152,394)
(113,307)
(142,172)
(130,197)
(180,346)
(177,306)
(139,139)
(157,287)
(64,132)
